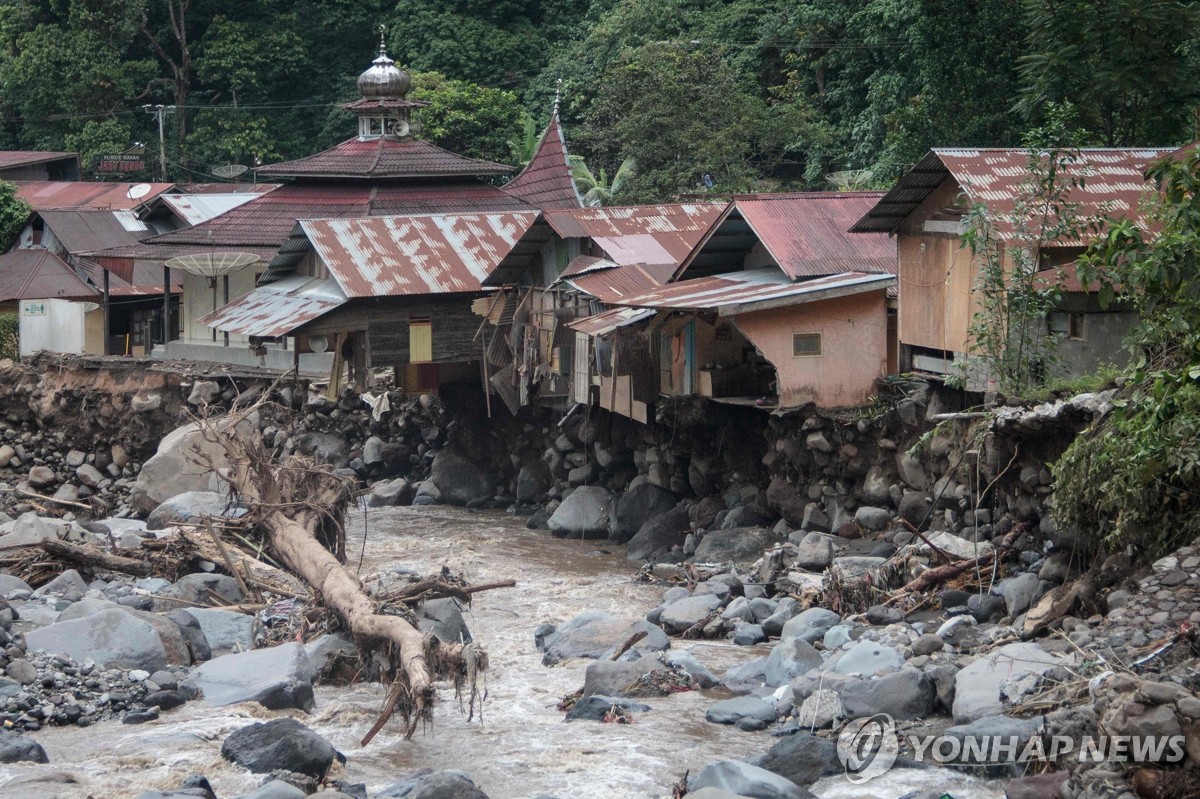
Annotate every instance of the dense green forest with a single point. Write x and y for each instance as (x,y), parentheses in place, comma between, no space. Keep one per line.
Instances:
(753,94)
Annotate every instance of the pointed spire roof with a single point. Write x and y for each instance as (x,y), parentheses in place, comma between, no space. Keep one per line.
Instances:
(546,180)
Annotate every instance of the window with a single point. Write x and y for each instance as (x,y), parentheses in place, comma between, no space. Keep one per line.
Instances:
(1075,327)
(420,340)
(1067,325)
(806,345)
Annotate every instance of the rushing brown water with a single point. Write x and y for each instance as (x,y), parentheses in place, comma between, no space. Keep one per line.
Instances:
(520,748)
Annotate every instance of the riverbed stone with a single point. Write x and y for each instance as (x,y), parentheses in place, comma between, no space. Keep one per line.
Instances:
(387,493)
(790,658)
(810,625)
(112,638)
(874,519)
(660,534)
(584,514)
(199,589)
(905,694)
(226,630)
(683,659)
(868,659)
(434,785)
(326,448)
(275,789)
(597,706)
(821,709)
(802,758)
(444,618)
(15,748)
(685,613)
(613,678)
(743,779)
(29,529)
(276,678)
(637,506)
(594,634)
(67,582)
(736,545)
(977,686)
(458,478)
(191,507)
(731,711)
(280,744)
(185,461)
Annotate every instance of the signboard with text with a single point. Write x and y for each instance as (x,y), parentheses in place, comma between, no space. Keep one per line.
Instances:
(126,162)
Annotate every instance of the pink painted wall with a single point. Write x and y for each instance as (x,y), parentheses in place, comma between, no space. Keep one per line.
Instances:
(853,348)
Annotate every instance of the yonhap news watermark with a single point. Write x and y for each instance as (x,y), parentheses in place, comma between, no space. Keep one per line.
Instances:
(868,747)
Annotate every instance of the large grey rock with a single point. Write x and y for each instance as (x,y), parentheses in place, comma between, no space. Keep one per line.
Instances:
(906,694)
(191,507)
(874,519)
(597,707)
(584,514)
(387,493)
(325,448)
(283,744)
(660,535)
(200,589)
(443,618)
(226,630)
(533,481)
(821,709)
(458,479)
(810,625)
(276,678)
(683,659)
(731,711)
(113,638)
(1019,593)
(29,529)
(595,634)
(88,606)
(802,758)
(684,613)
(868,659)
(814,552)
(42,477)
(8,584)
(613,678)
(185,461)
(15,747)
(435,785)
(275,789)
(977,686)
(790,658)
(637,506)
(737,545)
(68,582)
(743,779)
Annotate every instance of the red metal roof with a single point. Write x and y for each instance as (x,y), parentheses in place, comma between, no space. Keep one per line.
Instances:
(406,255)
(604,323)
(1114,182)
(277,309)
(14,158)
(384,157)
(671,229)
(546,180)
(38,274)
(267,221)
(52,195)
(742,292)
(612,286)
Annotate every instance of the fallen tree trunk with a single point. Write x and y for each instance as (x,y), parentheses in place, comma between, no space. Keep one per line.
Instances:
(257,573)
(94,558)
(295,503)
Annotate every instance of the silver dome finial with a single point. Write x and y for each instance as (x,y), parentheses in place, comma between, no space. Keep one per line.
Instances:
(382,39)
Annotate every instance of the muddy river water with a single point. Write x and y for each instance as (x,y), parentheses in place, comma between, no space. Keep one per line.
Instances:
(521,748)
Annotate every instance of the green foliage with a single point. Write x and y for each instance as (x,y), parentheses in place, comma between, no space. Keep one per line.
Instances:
(98,137)
(597,189)
(14,212)
(465,117)
(1134,479)
(10,336)
(1119,62)
(524,147)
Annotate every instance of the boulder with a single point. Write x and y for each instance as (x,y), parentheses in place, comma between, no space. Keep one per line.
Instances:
(185,461)
(8,584)
(637,506)
(743,779)
(387,493)
(15,747)
(281,744)
(275,789)
(977,686)
(814,552)
(276,678)
(597,707)
(325,448)
(821,709)
(584,514)
(613,678)
(42,477)
(802,758)
(226,630)
(444,618)
(29,529)
(191,507)
(810,625)
(199,589)
(68,582)
(533,481)
(204,392)
(193,637)
(905,694)
(458,479)
(874,519)
(737,545)
(112,638)
(790,658)
(868,659)
(595,634)
(434,785)
(683,659)
(788,501)
(685,613)
(731,711)
(660,535)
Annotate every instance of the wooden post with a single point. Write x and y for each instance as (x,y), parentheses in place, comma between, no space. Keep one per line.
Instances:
(166,320)
(107,320)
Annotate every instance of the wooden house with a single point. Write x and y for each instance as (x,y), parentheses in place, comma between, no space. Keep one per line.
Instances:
(38,165)
(937,275)
(776,306)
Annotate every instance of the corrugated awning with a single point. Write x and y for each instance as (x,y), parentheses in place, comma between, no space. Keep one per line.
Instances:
(754,290)
(277,308)
(604,323)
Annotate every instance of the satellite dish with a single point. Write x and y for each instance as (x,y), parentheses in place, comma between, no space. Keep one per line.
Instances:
(213,264)
(318,343)
(139,190)
(229,171)
(88,307)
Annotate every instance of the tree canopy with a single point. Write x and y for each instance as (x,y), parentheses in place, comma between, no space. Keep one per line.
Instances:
(753,94)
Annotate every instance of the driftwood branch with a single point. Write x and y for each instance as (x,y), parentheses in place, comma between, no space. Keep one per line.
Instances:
(95,558)
(439,589)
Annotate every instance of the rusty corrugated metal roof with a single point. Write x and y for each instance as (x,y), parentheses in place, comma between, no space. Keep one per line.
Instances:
(38,274)
(267,221)
(614,284)
(279,308)
(384,157)
(582,264)
(1114,182)
(546,181)
(602,324)
(742,292)
(405,255)
(669,230)
(57,195)
(14,158)
(89,231)
(203,206)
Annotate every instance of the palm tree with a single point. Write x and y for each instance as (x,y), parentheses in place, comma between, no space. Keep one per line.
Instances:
(524,147)
(598,191)
(851,179)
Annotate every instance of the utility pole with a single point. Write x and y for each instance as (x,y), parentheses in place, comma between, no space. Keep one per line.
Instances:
(161,111)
